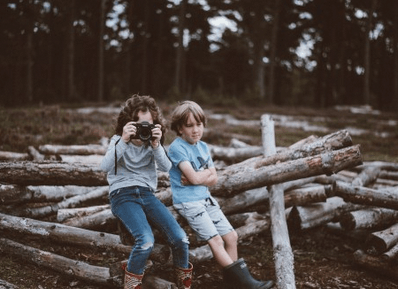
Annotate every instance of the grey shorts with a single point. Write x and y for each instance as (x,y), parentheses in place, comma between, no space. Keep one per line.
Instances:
(205,218)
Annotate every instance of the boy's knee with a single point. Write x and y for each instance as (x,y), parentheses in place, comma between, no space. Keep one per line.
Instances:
(231,237)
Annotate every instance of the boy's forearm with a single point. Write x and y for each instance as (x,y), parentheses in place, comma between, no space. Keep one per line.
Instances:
(206,178)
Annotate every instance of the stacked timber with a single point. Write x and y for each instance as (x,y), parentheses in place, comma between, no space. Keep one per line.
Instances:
(65,200)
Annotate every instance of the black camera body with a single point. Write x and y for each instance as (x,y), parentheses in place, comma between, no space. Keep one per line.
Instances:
(144,131)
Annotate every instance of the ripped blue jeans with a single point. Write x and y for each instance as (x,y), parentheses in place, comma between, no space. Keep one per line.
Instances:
(138,209)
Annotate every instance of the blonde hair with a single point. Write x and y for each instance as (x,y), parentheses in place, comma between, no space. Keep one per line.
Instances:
(180,115)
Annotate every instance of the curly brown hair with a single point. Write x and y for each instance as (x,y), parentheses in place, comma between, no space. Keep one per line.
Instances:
(133,106)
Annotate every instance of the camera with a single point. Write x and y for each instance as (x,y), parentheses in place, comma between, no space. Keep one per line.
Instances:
(144,131)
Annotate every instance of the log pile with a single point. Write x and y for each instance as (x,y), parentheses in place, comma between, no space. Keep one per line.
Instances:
(64,200)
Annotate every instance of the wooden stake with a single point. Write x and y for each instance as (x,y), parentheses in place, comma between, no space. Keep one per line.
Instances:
(283,254)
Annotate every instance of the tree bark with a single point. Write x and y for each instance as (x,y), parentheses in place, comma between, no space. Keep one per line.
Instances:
(73,236)
(283,255)
(366,177)
(234,155)
(72,202)
(13,156)
(51,173)
(77,213)
(246,178)
(306,195)
(368,218)
(333,141)
(365,196)
(383,240)
(310,216)
(71,267)
(14,194)
(90,149)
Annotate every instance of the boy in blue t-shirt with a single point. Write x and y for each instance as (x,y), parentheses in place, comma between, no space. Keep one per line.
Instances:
(191,175)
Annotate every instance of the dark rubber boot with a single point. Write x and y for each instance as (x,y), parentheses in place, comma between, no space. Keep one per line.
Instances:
(237,276)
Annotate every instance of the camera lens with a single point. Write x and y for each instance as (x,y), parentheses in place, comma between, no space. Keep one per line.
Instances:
(145,133)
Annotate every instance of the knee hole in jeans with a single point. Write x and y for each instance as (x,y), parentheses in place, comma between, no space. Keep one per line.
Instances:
(146,246)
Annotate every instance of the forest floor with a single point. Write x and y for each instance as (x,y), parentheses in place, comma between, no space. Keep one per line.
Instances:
(322,258)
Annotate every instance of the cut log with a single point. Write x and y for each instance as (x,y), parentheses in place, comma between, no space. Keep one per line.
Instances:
(74,268)
(368,218)
(306,195)
(243,200)
(383,240)
(365,196)
(391,254)
(388,175)
(51,173)
(13,156)
(334,141)
(376,264)
(85,159)
(90,149)
(97,221)
(234,155)
(387,166)
(6,285)
(14,194)
(246,178)
(367,176)
(73,236)
(64,214)
(313,215)
(68,203)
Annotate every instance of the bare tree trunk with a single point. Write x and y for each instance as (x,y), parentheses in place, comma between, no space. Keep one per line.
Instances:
(180,48)
(29,66)
(71,52)
(101,53)
(273,50)
(366,87)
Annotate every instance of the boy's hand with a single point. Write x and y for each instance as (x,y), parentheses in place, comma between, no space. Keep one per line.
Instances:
(185,181)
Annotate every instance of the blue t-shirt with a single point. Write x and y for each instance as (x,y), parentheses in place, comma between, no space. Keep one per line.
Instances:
(199,156)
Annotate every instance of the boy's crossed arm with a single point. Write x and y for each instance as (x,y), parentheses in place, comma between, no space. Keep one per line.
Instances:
(207,177)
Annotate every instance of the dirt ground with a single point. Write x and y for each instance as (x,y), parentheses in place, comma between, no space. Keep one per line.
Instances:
(322,259)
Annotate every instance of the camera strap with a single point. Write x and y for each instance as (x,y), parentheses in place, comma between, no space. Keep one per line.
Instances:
(116,155)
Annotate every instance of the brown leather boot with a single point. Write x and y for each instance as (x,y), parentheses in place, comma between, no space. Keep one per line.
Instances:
(184,277)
